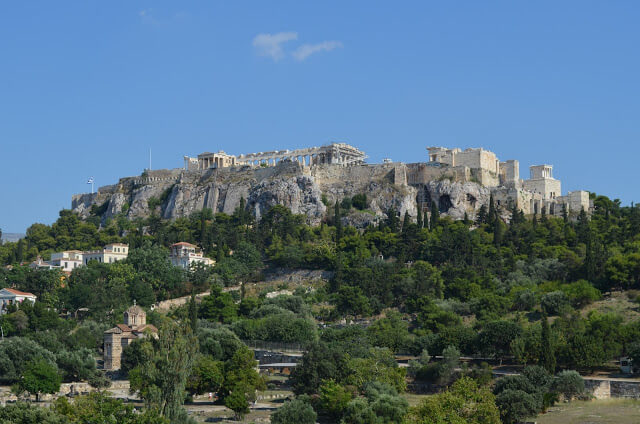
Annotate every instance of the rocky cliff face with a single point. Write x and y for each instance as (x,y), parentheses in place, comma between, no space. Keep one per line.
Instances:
(178,193)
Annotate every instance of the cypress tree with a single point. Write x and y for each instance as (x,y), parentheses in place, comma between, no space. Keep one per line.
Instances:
(435,215)
(393,220)
(203,227)
(582,229)
(498,232)
(481,218)
(219,252)
(20,251)
(565,214)
(492,210)
(547,354)
(193,314)
(406,221)
(337,219)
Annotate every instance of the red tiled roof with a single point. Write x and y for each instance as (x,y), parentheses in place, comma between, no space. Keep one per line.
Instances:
(146,327)
(19,293)
(184,243)
(125,328)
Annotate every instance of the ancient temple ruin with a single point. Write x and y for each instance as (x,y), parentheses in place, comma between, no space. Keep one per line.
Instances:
(540,193)
(334,153)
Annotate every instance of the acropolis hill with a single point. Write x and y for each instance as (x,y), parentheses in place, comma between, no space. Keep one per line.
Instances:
(308,180)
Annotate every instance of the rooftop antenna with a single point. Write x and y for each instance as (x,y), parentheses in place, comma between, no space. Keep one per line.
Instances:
(149,158)
(90,181)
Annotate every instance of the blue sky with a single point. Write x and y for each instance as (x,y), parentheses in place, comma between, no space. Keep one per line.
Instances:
(86,88)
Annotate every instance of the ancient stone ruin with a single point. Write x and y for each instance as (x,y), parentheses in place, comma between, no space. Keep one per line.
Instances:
(307,181)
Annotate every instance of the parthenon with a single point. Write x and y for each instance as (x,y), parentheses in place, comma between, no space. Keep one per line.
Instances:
(334,153)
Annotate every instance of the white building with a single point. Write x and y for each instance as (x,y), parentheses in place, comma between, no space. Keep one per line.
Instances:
(109,254)
(40,263)
(68,260)
(13,297)
(184,254)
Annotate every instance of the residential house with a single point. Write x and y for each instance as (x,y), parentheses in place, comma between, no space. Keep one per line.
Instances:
(185,254)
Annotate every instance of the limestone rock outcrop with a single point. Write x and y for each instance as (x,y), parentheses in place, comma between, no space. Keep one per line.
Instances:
(310,191)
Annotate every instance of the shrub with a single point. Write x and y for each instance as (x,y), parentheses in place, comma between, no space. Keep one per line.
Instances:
(294,412)
(552,303)
(516,405)
(569,384)
(359,201)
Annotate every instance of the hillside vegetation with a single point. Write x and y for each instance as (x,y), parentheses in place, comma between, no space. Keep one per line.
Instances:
(535,290)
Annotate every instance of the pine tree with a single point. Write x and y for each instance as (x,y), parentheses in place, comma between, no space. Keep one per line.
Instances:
(193,314)
(547,354)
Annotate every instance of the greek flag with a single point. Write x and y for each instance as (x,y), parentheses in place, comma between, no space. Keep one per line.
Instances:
(90,180)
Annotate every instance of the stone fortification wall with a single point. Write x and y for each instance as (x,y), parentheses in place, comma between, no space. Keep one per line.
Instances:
(423,173)
(485,177)
(478,158)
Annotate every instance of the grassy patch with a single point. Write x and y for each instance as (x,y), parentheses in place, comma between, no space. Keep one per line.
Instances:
(619,411)
(617,303)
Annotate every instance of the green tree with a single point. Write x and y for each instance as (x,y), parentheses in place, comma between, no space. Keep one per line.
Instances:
(569,384)
(39,377)
(334,398)
(15,353)
(516,405)
(193,314)
(463,403)
(547,350)
(138,352)
(237,401)
(162,380)
(435,215)
(207,375)
(320,362)
(27,413)
(218,306)
(294,412)
(337,221)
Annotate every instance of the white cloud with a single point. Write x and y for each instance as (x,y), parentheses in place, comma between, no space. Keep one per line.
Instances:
(307,50)
(271,44)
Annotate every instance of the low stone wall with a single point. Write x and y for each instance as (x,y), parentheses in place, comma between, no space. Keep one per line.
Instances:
(65,389)
(605,389)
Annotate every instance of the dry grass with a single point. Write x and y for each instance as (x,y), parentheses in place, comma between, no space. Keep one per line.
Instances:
(618,303)
(619,411)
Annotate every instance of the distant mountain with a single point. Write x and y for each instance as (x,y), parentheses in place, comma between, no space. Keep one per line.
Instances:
(11,236)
